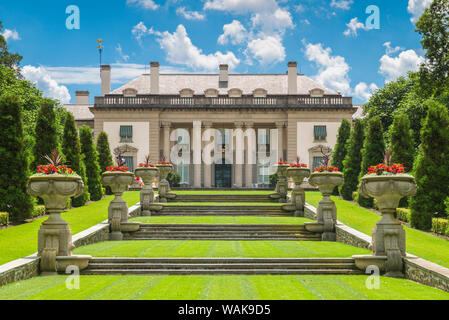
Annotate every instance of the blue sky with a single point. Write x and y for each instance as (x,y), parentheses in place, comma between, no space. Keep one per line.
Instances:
(329,39)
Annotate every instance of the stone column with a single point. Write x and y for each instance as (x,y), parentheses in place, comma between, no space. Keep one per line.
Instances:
(280,126)
(207,167)
(166,126)
(239,156)
(250,159)
(197,146)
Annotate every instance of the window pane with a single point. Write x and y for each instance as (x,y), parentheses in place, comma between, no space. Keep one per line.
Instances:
(129,163)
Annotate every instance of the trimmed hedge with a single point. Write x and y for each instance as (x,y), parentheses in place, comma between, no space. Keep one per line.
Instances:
(38,211)
(439,225)
(403,214)
(4,218)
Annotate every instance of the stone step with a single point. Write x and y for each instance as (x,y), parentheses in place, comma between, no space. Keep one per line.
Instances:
(221,208)
(176,226)
(226,213)
(189,266)
(222,272)
(221,198)
(222,238)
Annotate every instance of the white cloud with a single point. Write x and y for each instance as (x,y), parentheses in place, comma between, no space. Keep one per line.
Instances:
(233,32)
(241,6)
(417,7)
(353,26)
(363,92)
(342,4)
(119,50)
(332,70)
(389,50)
(10,34)
(146,4)
(190,15)
(267,50)
(140,30)
(273,21)
(394,67)
(180,50)
(43,81)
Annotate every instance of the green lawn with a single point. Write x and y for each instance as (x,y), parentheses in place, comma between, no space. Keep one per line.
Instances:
(20,241)
(222,220)
(220,249)
(222,204)
(227,192)
(419,243)
(316,287)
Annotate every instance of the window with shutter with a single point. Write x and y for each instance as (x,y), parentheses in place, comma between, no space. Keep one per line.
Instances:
(126,133)
(320,133)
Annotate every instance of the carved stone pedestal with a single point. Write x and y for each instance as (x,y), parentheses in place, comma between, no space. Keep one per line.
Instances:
(54,236)
(164,186)
(388,234)
(326,210)
(281,189)
(118,209)
(147,193)
(298,196)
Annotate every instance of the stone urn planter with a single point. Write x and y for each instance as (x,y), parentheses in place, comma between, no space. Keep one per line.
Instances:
(55,236)
(118,181)
(147,174)
(327,211)
(281,189)
(164,186)
(298,196)
(388,234)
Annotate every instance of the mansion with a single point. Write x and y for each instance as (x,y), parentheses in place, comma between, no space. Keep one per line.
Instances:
(245,122)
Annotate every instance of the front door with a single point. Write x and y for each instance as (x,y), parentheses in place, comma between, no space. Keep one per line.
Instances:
(223,176)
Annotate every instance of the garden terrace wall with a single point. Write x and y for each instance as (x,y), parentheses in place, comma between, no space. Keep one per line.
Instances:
(415,269)
(28,267)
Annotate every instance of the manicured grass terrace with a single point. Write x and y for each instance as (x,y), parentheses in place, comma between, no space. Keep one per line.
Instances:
(316,287)
(221,220)
(220,249)
(422,244)
(20,241)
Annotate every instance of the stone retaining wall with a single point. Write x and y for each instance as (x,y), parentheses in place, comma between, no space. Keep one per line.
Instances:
(25,268)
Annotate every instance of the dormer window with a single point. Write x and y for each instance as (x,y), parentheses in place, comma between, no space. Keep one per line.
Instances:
(235,93)
(129,92)
(211,93)
(260,93)
(316,93)
(186,93)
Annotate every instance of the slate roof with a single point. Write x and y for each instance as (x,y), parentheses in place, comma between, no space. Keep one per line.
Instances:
(81,112)
(275,84)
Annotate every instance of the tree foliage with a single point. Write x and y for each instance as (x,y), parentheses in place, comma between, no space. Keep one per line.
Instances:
(7,59)
(433,26)
(91,163)
(352,160)
(402,146)
(14,162)
(45,133)
(104,152)
(340,150)
(431,168)
(71,150)
(372,153)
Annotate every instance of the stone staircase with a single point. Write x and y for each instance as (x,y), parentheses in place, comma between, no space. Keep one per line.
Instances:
(221,266)
(228,210)
(221,198)
(222,232)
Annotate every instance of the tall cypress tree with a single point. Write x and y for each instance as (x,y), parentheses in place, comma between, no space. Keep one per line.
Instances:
(104,152)
(340,150)
(353,160)
(431,168)
(91,162)
(71,149)
(45,133)
(14,163)
(372,153)
(402,145)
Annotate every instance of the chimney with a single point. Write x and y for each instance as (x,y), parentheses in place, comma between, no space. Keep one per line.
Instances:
(292,77)
(224,77)
(154,78)
(105,75)
(82,97)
